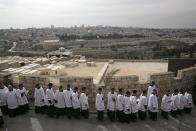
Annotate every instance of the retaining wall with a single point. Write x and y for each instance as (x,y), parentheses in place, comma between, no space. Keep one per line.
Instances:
(164,81)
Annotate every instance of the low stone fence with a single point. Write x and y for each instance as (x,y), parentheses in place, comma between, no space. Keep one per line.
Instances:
(81,82)
(185,79)
(29,82)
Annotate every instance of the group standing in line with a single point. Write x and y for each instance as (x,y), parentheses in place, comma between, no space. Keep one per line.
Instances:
(126,107)
(129,107)
(62,102)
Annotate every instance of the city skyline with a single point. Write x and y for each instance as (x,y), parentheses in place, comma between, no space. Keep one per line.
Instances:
(124,13)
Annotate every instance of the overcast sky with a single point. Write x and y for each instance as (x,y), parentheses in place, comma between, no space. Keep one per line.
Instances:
(66,13)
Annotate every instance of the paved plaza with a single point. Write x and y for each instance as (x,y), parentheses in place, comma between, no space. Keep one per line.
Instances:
(34,122)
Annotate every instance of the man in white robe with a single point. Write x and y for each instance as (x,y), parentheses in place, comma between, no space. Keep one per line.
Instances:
(166,105)
(50,100)
(68,101)
(59,102)
(39,97)
(153,105)
(111,105)
(134,106)
(22,99)
(188,101)
(12,101)
(120,105)
(76,103)
(174,103)
(151,87)
(181,101)
(99,105)
(127,107)
(3,104)
(84,103)
(142,106)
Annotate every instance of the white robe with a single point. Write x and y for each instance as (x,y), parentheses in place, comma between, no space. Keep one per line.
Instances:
(75,100)
(166,103)
(175,102)
(120,102)
(68,99)
(153,103)
(111,105)
(83,101)
(99,104)
(150,90)
(38,96)
(127,108)
(188,100)
(181,101)
(12,99)
(49,96)
(142,103)
(134,105)
(3,96)
(22,100)
(59,97)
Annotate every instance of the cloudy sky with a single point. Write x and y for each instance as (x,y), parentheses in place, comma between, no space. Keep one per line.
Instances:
(66,13)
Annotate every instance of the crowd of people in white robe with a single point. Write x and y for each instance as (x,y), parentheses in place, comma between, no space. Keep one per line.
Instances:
(122,107)
(126,107)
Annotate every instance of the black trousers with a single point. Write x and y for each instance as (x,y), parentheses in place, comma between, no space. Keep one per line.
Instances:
(127,118)
(1,121)
(111,115)
(133,117)
(187,110)
(40,109)
(13,112)
(4,109)
(50,110)
(100,115)
(164,114)
(23,109)
(142,115)
(153,116)
(120,116)
(27,107)
(180,111)
(85,113)
(174,113)
(76,113)
(59,112)
(69,112)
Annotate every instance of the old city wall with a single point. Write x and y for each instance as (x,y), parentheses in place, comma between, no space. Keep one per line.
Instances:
(164,81)
(185,79)
(80,82)
(30,81)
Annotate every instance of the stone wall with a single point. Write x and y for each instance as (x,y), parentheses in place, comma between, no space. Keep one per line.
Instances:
(185,79)
(6,65)
(3,65)
(177,64)
(164,81)
(80,82)
(29,82)
(125,82)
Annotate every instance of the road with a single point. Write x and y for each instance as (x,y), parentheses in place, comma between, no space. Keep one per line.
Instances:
(34,122)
